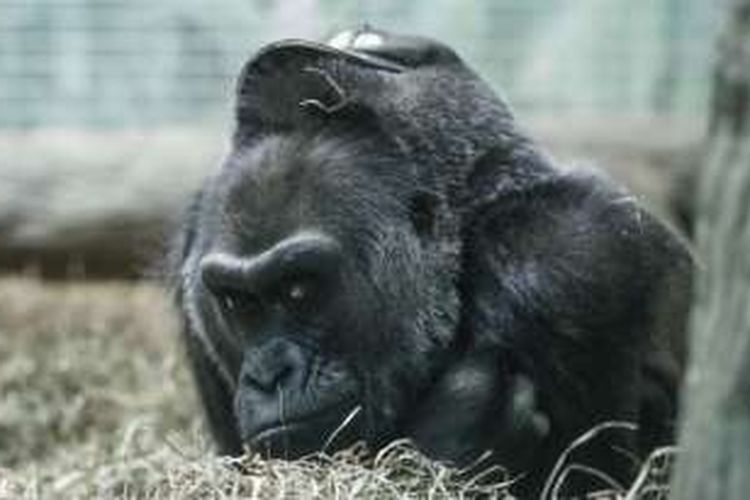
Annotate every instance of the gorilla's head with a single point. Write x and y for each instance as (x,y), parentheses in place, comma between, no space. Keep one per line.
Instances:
(322,266)
(322,273)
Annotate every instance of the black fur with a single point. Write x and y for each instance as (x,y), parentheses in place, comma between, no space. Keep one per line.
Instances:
(383,237)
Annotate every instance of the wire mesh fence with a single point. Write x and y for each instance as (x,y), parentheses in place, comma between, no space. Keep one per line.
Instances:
(125,63)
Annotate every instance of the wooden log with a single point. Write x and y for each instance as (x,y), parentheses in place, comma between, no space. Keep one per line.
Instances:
(96,203)
(102,203)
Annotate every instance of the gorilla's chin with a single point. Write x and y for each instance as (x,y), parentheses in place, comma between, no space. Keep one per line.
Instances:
(325,430)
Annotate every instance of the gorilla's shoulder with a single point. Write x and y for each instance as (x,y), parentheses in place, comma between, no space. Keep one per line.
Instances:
(583,202)
(575,251)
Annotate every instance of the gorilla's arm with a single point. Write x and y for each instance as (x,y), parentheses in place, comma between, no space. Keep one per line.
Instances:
(476,405)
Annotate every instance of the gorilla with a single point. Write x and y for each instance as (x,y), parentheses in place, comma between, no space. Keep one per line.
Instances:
(385,254)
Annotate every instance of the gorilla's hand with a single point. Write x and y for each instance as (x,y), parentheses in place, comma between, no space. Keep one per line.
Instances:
(466,414)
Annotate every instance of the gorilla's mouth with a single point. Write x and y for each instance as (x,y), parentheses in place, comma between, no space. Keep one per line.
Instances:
(327,429)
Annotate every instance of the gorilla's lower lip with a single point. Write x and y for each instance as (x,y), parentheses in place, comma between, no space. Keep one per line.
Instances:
(325,425)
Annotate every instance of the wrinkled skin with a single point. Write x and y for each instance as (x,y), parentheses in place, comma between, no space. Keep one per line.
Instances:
(384,255)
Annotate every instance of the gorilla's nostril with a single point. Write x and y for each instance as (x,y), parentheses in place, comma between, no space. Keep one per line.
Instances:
(275,364)
(266,381)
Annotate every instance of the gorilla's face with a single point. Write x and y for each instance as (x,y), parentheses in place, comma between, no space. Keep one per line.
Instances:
(328,292)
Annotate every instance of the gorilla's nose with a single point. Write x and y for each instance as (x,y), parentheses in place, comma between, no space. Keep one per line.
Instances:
(276,364)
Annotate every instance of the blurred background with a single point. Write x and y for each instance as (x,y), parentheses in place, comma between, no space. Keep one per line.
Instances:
(144,63)
(111,111)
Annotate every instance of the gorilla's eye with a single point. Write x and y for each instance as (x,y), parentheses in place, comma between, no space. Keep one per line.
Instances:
(299,294)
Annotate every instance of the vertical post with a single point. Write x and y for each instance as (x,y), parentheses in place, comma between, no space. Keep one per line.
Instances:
(714,462)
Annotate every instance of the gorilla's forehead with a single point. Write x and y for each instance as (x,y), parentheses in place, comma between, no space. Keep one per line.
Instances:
(281,185)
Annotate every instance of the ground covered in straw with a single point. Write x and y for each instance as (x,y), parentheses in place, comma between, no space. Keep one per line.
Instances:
(96,402)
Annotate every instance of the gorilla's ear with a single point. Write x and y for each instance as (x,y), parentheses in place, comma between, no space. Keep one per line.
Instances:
(423,212)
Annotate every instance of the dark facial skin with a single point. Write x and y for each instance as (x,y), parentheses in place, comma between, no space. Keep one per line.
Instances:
(289,395)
